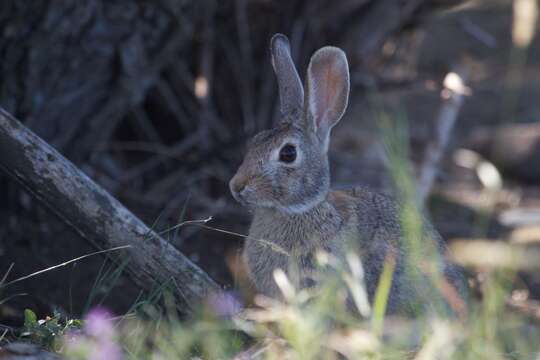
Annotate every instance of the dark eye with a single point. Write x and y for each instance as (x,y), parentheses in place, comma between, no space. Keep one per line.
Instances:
(287,154)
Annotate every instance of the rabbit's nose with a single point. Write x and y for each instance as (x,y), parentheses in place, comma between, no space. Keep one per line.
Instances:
(237,184)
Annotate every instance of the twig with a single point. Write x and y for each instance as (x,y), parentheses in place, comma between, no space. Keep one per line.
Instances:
(63,264)
(478,33)
(141,146)
(4,332)
(6,299)
(175,151)
(199,223)
(172,102)
(6,274)
(452,96)
(183,82)
(145,124)
(173,180)
(246,76)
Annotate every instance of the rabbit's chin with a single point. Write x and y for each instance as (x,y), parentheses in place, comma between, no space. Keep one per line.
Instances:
(292,209)
(303,207)
(253,204)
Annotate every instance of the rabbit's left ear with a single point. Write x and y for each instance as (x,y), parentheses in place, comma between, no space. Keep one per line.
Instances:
(327,90)
(291,91)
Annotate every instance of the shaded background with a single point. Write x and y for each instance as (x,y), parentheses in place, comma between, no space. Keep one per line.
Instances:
(154,100)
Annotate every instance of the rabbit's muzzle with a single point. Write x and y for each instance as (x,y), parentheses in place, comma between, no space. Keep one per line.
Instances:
(237,185)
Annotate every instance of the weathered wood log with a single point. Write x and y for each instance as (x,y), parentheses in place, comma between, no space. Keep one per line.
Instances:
(96,215)
(25,351)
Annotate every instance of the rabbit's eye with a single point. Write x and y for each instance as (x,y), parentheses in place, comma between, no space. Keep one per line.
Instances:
(287,154)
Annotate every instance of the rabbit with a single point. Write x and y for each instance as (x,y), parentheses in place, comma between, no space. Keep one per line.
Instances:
(285,180)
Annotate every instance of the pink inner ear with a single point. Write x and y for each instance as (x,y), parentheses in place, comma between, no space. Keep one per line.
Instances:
(326,89)
(332,84)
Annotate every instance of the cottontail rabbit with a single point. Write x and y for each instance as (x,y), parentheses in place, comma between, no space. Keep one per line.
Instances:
(285,179)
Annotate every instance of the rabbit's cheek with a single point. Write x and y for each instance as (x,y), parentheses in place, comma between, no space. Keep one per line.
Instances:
(279,193)
(266,191)
(285,178)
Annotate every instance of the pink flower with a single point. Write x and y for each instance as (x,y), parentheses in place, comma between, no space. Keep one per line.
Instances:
(224,304)
(97,340)
(106,350)
(98,324)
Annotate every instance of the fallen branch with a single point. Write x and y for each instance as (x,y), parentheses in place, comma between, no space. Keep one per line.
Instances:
(25,351)
(96,215)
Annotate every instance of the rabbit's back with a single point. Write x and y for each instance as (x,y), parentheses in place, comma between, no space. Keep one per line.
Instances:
(381,236)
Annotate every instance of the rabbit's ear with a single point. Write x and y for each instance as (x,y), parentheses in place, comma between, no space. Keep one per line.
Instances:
(291,91)
(327,86)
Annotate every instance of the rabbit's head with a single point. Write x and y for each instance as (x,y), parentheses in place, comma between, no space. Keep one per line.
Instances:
(287,167)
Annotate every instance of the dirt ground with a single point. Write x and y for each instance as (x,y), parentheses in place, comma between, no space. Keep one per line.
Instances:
(418,59)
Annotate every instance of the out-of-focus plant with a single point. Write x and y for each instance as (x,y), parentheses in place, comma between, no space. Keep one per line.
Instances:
(47,332)
(97,340)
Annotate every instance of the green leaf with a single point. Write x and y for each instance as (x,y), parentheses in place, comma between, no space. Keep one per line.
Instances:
(382,293)
(77,323)
(30,318)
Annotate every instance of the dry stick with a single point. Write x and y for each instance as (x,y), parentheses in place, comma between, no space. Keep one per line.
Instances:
(172,102)
(205,81)
(245,62)
(95,214)
(6,274)
(452,96)
(138,146)
(143,121)
(175,150)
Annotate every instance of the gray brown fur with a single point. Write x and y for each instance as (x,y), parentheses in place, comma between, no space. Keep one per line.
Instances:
(295,212)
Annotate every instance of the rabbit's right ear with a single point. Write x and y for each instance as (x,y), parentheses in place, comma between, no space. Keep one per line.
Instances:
(291,91)
(327,86)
